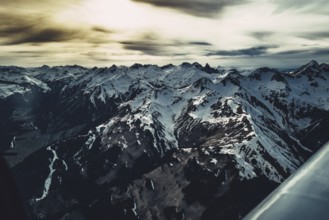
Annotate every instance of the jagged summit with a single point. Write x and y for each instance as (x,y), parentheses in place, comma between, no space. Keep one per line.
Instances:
(167,66)
(312,64)
(308,69)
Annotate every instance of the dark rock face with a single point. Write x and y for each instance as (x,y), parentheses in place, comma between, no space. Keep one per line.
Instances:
(157,143)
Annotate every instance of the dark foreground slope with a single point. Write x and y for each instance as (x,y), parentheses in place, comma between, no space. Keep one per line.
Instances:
(149,142)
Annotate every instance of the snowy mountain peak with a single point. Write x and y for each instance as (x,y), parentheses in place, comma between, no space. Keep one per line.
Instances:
(311,69)
(312,64)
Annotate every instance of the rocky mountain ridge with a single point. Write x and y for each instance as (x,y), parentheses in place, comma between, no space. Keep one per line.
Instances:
(149,142)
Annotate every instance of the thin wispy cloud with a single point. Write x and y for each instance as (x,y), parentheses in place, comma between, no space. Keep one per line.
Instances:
(315,6)
(261,35)
(315,35)
(253,51)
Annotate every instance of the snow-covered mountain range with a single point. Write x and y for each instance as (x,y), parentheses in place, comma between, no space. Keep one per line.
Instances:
(150,142)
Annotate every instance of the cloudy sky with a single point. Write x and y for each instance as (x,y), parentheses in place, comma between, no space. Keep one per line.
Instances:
(250,33)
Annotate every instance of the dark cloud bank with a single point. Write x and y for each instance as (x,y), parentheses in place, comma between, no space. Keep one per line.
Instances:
(202,8)
(22,29)
(253,51)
